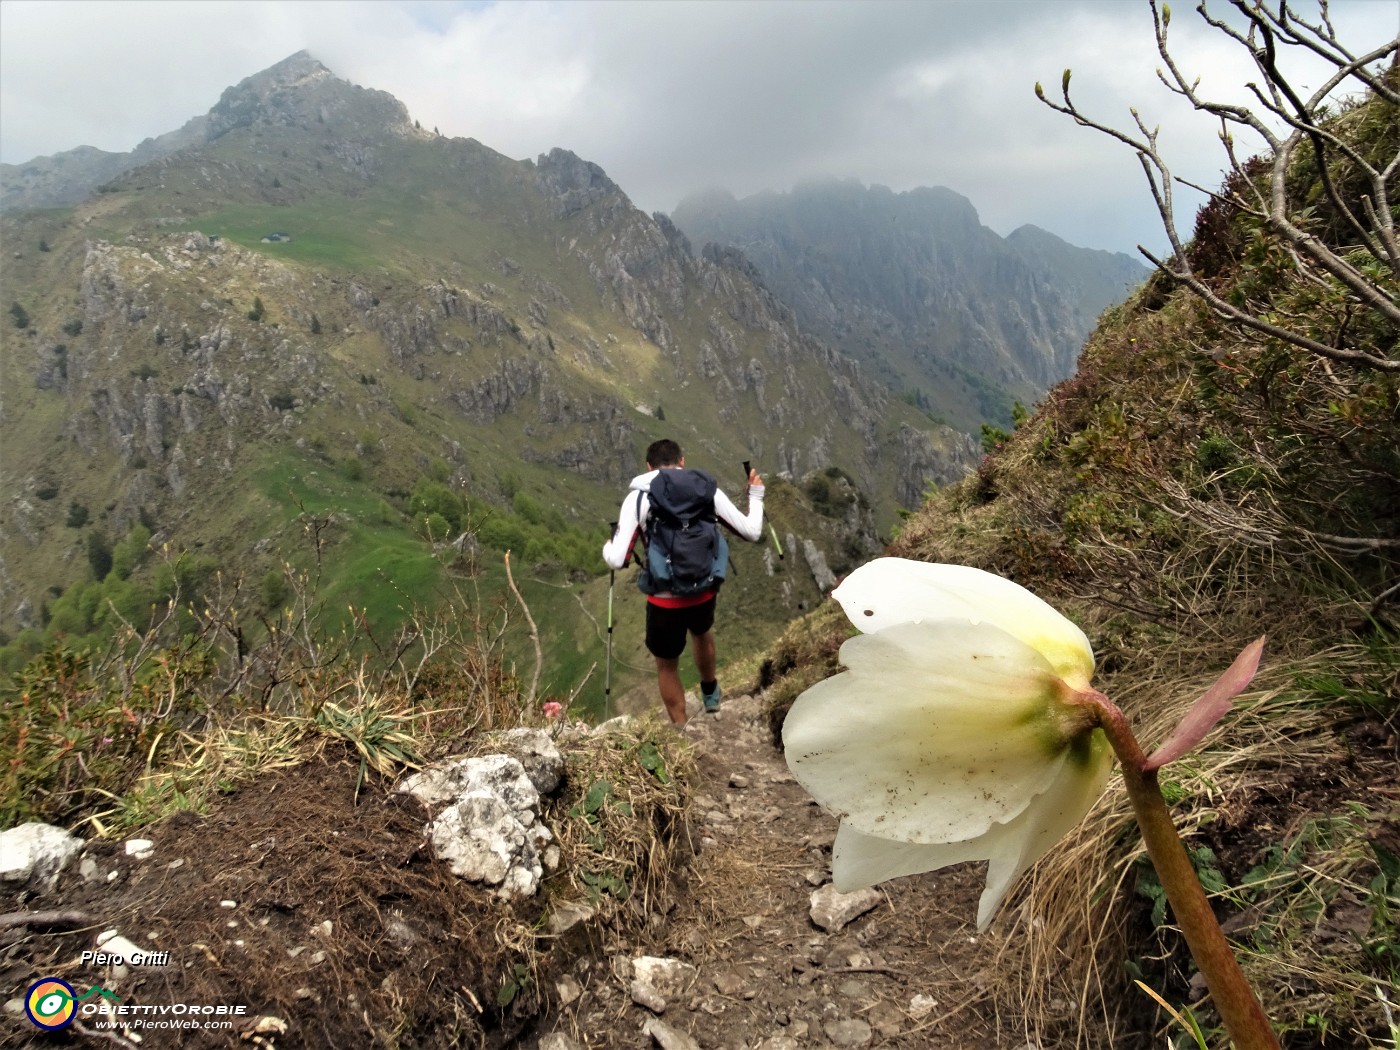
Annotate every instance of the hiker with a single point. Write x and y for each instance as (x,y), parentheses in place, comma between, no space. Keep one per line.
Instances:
(675,510)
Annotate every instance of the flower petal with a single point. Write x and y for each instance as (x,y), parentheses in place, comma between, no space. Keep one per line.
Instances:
(1010,849)
(888,591)
(1045,821)
(937,731)
(859,860)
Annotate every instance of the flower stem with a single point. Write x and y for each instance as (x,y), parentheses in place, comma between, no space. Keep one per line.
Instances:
(1239,1009)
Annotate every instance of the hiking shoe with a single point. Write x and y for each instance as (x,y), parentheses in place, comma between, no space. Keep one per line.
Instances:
(712,700)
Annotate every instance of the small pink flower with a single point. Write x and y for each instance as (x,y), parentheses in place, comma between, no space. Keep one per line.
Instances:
(553,709)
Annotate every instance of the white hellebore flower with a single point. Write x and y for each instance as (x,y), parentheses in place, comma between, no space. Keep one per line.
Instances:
(950,736)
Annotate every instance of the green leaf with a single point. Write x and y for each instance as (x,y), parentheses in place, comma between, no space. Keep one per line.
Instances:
(597,795)
(650,758)
(507,993)
(606,881)
(1389,864)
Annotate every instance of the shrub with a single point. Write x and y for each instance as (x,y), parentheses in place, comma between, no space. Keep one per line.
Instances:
(433,497)
(99,553)
(1216,453)
(434,527)
(130,552)
(527,509)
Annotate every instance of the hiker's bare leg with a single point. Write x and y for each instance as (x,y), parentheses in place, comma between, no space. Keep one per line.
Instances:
(704,648)
(668,678)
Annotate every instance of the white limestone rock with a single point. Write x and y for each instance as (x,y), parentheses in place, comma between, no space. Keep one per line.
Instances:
(565,915)
(34,855)
(534,749)
(119,951)
(670,978)
(454,779)
(485,840)
(833,910)
(668,1038)
(489,831)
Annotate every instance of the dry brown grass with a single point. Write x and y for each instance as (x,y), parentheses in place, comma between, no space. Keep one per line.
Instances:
(1063,956)
(621,819)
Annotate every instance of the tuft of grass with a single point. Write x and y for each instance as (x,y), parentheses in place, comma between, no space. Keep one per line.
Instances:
(621,819)
(377,726)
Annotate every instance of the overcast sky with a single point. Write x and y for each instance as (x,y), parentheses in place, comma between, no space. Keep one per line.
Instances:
(670,97)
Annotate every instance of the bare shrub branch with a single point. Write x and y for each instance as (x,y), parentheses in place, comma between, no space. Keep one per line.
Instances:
(1365,272)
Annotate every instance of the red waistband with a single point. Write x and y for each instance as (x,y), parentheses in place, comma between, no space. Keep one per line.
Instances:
(671,601)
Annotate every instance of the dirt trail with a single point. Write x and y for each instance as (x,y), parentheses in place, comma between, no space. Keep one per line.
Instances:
(902,975)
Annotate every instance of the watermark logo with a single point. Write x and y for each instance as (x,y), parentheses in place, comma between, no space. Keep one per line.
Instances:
(51,1003)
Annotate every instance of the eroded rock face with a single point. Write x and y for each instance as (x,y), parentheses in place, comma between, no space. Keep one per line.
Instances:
(822,575)
(916,275)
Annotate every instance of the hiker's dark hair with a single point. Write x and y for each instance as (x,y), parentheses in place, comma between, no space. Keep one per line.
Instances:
(663,453)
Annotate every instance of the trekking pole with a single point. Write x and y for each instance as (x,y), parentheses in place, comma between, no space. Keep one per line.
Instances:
(607,673)
(771,531)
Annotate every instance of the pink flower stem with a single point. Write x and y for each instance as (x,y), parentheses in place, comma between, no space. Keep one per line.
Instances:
(1235,1001)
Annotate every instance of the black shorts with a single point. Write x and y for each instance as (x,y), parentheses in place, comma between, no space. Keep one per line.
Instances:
(666,628)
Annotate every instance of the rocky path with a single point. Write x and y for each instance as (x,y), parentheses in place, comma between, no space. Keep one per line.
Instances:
(762,954)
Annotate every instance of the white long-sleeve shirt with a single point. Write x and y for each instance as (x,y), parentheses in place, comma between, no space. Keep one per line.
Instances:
(631,517)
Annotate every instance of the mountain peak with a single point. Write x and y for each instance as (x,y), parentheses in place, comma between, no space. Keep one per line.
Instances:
(299,63)
(295,70)
(298,90)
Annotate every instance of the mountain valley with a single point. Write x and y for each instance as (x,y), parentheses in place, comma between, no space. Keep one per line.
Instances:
(303,304)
